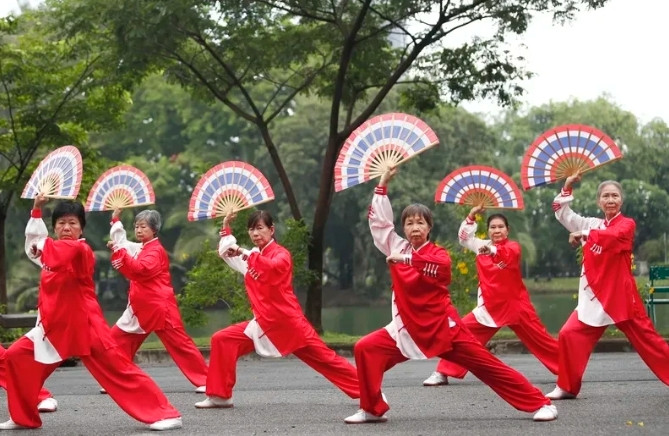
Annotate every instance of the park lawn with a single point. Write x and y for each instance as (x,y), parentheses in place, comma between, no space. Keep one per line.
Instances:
(335,340)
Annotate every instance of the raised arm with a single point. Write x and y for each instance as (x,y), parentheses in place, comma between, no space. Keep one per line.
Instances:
(117,235)
(36,231)
(467,232)
(233,260)
(381,219)
(565,215)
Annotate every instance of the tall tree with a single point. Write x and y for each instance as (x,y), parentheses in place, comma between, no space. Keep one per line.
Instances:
(52,93)
(255,57)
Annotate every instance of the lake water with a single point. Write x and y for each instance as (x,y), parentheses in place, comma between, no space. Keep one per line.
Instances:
(553,309)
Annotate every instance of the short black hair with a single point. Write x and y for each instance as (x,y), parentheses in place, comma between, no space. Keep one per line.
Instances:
(259,216)
(500,216)
(69,207)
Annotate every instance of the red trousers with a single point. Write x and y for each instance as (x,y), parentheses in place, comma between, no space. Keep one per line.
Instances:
(178,344)
(531,332)
(231,343)
(130,387)
(377,352)
(43,393)
(577,340)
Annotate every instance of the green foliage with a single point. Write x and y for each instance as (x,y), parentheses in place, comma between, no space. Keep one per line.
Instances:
(209,283)
(296,240)
(464,278)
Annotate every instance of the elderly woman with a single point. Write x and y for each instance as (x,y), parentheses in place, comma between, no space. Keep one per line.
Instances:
(70,323)
(424,322)
(152,306)
(607,291)
(503,299)
(278,327)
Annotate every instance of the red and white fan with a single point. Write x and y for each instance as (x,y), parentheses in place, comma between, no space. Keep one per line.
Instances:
(120,187)
(378,144)
(563,151)
(58,175)
(478,185)
(228,187)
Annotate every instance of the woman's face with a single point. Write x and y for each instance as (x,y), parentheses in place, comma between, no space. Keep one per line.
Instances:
(143,232)
(68,227)
(497,230)
(416,230)
(260,234)
(610,201)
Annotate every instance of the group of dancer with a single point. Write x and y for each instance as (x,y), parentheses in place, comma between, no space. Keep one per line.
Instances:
(424,323)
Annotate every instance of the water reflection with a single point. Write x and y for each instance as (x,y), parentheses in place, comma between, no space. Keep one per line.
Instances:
(552,309)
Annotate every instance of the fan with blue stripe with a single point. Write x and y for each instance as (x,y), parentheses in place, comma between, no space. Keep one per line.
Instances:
(478,185)
(380,143)
(58,175)
(226,188)
(564,151)
(120,187)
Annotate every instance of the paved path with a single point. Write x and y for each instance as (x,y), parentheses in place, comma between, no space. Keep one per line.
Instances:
(284,396)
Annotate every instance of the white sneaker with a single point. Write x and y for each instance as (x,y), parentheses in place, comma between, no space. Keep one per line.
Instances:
(436,379)
(48,405)
(166,424)
(546,413)
(10,425)
(200,389)
(214,403)
(103,391)
(560,394)
(362,417)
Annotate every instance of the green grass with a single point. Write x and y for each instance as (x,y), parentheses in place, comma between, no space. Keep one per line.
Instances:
(564,284)
(332,339)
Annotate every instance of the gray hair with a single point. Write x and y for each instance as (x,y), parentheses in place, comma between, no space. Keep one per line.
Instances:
(152,218)
(606,183)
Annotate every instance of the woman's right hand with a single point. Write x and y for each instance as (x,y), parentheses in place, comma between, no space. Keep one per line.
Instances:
(475,211)
(569,181)
(40,200)
(117,213)
(387,176)
(230,217)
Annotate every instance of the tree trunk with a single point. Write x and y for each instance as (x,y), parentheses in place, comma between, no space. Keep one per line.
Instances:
(3,262)
(315,292)
(276,160)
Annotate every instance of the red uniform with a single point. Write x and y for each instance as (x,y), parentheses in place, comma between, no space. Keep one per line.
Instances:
(152,307)
(425,323)
(607,295)
(503,300)
(278,328)
(43,393)
(70,323)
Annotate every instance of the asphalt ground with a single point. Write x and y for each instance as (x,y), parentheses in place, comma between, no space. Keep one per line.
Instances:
(283,396)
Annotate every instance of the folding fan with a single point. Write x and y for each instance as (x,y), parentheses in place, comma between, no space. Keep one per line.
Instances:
(378,144)
(228,187)
(477,185)
(58,175)
(120,187)
(561,152)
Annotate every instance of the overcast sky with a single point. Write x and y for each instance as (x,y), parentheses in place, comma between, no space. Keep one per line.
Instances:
(619,50)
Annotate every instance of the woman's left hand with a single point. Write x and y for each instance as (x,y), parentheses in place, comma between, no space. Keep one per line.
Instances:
(485,249)
(395,258)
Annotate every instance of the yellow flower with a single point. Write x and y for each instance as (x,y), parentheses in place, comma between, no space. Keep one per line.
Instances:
(481,235)
(574,297)
(479,218)
(462,267)
(651,291)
